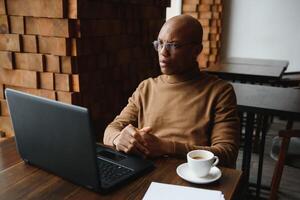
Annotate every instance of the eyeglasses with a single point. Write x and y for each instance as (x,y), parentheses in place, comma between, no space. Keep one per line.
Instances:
(169,46)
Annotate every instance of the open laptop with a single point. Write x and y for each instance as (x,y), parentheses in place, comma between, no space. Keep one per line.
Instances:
(59,138)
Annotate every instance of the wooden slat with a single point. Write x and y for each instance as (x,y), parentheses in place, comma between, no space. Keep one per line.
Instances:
(204,22)
(4,108)
(189,7)
(210,2)
(46,80)
(29,61)
(6,126)
(21,78)
(193,14)
(54,45)
(4,26)
(29,43)
(75,83)
(63,82)
(16,24)
(37,8)
(1,90)
(52,63)
(69,97)
(69,64)
(6,60)
(191,1)
(51,27)
(2,7)
(205,15)
(50,94)
(9,42)
(204,8)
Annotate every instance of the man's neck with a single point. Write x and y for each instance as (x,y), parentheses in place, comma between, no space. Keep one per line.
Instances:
(191,74)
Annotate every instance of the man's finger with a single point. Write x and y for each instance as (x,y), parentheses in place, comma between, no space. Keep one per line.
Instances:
(146,129)
(139,146)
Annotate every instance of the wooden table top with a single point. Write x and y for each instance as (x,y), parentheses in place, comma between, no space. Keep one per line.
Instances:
(268,100)
(19,180)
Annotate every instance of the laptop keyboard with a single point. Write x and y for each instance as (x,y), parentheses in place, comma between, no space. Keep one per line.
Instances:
(111,172)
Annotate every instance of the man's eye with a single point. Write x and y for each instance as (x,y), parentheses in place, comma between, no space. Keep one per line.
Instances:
(174,45)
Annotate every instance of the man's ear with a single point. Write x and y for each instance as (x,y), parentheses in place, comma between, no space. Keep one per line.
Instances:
(197,50)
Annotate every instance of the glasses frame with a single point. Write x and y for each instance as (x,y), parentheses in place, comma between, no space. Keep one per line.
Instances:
(169,46)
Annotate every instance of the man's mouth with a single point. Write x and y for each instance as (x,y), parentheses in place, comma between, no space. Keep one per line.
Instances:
(164,63)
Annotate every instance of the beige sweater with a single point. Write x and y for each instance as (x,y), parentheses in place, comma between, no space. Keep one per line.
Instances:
(193,111)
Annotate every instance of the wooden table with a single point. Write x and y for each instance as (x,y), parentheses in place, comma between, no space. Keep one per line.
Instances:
(264,100)
(250,69)
(246,73)
(22,181)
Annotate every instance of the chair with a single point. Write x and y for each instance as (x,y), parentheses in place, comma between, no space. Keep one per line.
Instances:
(285,154)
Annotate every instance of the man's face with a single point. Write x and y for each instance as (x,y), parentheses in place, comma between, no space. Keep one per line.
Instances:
(180,59)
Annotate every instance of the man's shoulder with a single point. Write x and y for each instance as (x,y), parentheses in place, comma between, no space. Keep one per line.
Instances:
(149,82)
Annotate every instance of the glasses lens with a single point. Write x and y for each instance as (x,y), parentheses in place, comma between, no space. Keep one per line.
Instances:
(155,45)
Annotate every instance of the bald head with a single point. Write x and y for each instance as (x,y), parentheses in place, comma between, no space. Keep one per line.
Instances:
(184,27)
(185,33)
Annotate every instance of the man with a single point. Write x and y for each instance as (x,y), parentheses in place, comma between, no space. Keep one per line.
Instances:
(181,110)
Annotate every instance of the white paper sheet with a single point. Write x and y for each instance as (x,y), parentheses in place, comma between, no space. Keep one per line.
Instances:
(162,191)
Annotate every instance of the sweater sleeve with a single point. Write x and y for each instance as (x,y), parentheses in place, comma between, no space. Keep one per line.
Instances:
(225,131)
(129,115)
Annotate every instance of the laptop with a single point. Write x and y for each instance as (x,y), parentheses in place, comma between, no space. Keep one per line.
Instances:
(59,138)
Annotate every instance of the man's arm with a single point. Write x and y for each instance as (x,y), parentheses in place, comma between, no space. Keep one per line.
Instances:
(129,115)
(122,132)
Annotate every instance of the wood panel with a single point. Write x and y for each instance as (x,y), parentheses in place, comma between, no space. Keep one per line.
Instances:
(21,78)
(6,126)
(29,61)
(9,42)
(50,94)
(4,26)
(4,108)
(54,45)
(16,24)
(46,80)
(6,60)
(29,43)
(36,8)
(1,90)
(2,7)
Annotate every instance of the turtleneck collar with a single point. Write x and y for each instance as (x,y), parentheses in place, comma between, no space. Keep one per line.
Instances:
(178,78)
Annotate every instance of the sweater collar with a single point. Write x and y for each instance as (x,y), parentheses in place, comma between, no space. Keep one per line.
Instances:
(178,78)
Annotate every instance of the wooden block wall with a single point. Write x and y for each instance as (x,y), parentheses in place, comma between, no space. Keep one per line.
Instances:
(209,13)
(83,52)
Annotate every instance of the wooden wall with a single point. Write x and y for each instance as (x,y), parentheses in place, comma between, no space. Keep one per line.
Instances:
(83,52)
(209,13)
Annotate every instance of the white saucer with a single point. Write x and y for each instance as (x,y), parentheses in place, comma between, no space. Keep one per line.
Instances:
(184,172)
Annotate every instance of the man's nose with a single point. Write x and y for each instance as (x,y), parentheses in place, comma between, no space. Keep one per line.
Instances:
(164,51)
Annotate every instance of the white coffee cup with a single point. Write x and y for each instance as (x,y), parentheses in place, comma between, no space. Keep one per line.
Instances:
(201,161)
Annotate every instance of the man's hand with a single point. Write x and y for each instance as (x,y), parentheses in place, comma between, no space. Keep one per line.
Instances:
(156,146)
(130,140)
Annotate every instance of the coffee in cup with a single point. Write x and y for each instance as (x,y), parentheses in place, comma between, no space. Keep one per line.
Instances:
(201,161)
